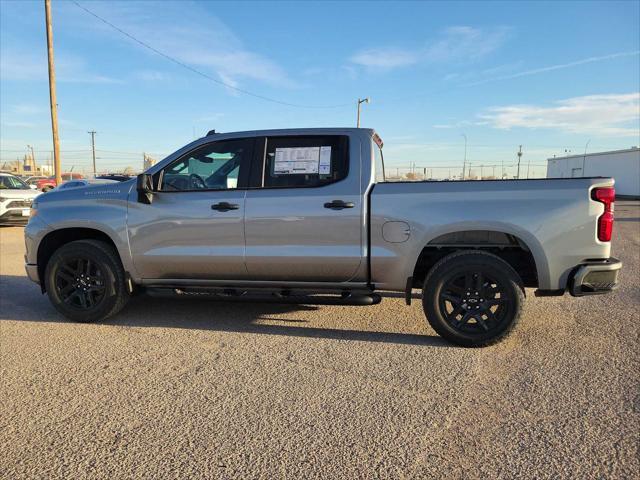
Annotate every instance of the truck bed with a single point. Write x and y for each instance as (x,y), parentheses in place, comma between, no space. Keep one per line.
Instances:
(554,218)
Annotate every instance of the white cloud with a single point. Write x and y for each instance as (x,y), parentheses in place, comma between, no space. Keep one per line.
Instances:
(23,66)
(210,118)
(27,109)
(385,58)
(454,44)
(198,39)
(19,124)
(465,43)
(151,76)
(612,115)
(551,68)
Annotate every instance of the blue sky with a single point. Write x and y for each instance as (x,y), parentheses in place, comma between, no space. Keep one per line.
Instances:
(548,75)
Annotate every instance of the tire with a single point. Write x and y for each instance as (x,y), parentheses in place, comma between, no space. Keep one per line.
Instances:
(473,298)
(85,281)
(46,189)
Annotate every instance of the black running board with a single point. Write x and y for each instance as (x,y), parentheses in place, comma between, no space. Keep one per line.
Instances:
(233,295)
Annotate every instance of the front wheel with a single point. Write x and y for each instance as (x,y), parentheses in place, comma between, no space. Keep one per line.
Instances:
(85,281)
(473,298)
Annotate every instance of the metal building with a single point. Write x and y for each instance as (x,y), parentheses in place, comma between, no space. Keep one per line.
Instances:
(623,165)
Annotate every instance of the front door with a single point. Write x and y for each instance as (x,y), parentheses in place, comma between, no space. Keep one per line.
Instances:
(303,219)
(194,228)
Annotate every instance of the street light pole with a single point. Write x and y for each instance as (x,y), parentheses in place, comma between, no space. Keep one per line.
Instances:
(52,94)
(93,150)
(519,158)
(360,102)
(464,163)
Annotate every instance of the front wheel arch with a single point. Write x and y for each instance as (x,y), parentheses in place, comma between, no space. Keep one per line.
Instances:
(85,281)
(58,238)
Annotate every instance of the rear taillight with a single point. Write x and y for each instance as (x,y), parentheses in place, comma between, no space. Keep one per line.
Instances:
(606,196)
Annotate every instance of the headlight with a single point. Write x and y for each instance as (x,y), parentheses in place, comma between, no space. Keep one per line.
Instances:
(33,211)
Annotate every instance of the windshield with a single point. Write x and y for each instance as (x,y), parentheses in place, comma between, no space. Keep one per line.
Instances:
(12,183)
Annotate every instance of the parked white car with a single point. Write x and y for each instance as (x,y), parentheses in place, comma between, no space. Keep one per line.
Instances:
(15,199)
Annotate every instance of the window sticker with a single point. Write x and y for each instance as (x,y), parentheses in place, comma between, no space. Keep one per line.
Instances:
(302,160)
(325,161)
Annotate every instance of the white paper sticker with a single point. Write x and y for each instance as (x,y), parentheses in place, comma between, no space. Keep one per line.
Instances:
(296,160)
(302,160)
(325,160)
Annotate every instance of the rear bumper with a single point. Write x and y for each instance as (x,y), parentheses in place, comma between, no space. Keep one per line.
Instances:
(595,277)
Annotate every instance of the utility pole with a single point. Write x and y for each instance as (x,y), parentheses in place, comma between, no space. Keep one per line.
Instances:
(519,158)
(52,94)
(360,102)
(93,150)
(528,165)
(464,163)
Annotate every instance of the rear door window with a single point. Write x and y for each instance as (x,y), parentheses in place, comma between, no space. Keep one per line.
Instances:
(305,161)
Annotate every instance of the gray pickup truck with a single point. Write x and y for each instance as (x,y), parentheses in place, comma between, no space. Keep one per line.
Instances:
(305,216)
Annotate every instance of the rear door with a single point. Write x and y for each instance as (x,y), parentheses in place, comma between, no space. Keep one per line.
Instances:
(194,227)
(303,219)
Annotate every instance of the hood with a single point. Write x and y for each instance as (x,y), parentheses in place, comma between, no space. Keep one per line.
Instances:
(92,192)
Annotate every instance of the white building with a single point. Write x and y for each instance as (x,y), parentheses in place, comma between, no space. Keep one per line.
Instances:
(623,165)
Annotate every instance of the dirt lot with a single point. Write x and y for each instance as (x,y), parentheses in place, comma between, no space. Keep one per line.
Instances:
(189,389)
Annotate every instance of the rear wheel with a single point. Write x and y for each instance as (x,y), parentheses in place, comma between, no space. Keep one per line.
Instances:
(85,281)
(473,298)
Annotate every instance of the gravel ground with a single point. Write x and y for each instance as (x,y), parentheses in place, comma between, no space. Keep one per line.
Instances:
(193,389)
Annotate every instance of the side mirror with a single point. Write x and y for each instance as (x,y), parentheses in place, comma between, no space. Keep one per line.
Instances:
(33,187)
(145,188)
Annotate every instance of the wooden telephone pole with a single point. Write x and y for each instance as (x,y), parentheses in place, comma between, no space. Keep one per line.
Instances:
(52,95)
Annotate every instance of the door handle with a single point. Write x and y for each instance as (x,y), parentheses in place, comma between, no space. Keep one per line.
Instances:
(225,206)
(338,205)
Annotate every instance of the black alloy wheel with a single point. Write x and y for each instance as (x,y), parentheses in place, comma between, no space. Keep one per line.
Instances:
(473,302)
(473,298)
(85,281)
(80,283)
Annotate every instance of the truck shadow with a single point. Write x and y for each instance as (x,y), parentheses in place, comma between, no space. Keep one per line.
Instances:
(22,302)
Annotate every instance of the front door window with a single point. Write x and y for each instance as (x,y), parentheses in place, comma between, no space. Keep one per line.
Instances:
(215,166)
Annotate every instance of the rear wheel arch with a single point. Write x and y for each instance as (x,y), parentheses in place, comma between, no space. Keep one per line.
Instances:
(510,248)
(58,238)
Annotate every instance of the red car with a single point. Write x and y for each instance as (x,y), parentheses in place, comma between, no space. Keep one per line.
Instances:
(47,184)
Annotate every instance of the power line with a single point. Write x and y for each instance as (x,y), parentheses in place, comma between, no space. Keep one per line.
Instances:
(202,74)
